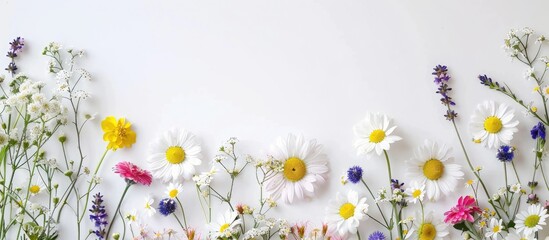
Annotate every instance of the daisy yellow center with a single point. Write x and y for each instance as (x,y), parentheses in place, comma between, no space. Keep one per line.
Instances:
(34,189)
(496,229)
(294,169)
(173,193)
(492,124)
(416,193)
(433,169)
(428,232)
(547,90)
(147,206)
(347,210)
(531,221)
(377,136)
(224,227)
(175,154)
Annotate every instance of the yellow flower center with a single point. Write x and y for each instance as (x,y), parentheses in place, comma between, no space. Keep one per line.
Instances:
(377,136)
(294,169)
(547,90)
(433,169)
(428,232)
(173,193)
(147,206)
(531,221)
(416,193)
(492,124)
(347,210)
(495,229)
(34,189)
(175,154)
(224,227)
(470,182)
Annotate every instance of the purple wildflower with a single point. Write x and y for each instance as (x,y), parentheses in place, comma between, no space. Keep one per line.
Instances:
(166,206)
(99,216)
(377,235)
(505,153)
(441,79)
(395,184)
(538,131)
(354,174)
(16,46)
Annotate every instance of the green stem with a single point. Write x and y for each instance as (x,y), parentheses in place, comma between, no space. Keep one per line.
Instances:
(182,212)
(128,185)
(91,183)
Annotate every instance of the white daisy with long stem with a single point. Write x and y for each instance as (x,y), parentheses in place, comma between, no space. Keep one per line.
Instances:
(174,155)
(493,125)
(346,212)
(374,133)
(225,225)
(173,190)
(432,166)
(305,168)
(531,220)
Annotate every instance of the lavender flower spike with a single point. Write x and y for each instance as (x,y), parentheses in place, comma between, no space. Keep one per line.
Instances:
(98,216)
(16,46)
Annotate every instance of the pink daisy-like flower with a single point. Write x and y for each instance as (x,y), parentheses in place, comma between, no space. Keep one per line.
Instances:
(463,211)
(132,172)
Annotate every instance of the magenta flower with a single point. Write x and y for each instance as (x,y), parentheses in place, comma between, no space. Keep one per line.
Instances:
(132,173)
(463,211)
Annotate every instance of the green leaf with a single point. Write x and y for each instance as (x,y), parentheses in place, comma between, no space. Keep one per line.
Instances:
(461,226)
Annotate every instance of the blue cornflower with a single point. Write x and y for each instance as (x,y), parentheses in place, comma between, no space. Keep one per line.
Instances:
(166,206)
(99,216)
(354,174)
(538,131)
(505,153)
(377,235)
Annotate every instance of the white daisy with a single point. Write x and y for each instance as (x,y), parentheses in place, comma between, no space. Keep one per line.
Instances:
(494,228)
(36,188)
(173,190)
(149,209)
(305,167)
(416,191)
(432,166)
(225,225)
(345,213)
(493,125)
(374,132)
(174,154)
(515,235)
(431,227)
(131,217)
(531,220)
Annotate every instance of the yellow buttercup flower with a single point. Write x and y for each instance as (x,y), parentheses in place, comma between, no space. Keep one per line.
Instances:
(118,133)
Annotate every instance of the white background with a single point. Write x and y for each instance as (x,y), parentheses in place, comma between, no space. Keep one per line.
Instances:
(258,70)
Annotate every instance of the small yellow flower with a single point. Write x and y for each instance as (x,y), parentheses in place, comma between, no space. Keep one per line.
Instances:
(536,89)
(533,109)
(118,133)
(477,140)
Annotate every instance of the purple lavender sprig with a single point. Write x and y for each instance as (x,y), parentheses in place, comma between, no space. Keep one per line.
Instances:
(441,79)
(98,216)
(16,46)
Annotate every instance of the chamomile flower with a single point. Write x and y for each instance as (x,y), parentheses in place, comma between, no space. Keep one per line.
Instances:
(36,188)
(305,168)
(173,155)
(494,228)
(531,220)
(493,125)
(173,190)
(131,217)
(374,133)
(224,226)
(149,209)
(432,166)
(430,228)
(346,212)
(416,192)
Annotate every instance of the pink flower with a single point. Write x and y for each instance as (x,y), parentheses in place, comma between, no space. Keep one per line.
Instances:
(463,211)
(133,173)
